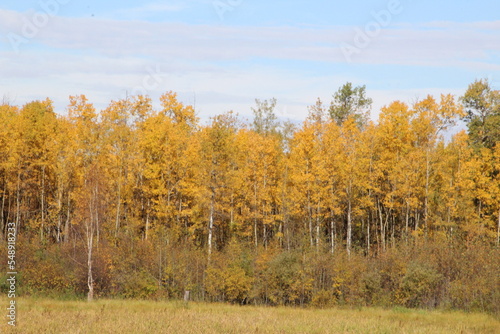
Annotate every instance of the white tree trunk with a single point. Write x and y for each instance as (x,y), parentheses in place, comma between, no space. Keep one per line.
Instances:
(210,228)
(349,227)
(90,278)
(498,229)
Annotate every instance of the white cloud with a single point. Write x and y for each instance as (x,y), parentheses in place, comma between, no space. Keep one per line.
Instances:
(433,44)
(104,58)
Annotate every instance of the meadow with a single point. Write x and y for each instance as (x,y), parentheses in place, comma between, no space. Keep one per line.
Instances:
(132,316)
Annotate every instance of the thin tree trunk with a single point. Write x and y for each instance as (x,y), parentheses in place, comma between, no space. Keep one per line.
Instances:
(255,235)
(96,213)
(264,235)
(426,203)
(368,236)
(160,269)
(118,206)
(59,214)
(89,229)
(3,207)
(42,200)
(286,228)
(498,229)
(349,227)
(280,229)
(90,278)
(231,214)
(179,211)
(317,235)
(146,232)
(317,227)
(332,233)
(393,239)
(386,224)
(18,199)
(66,224)
(210,227)
(309,213)
(264,212)
(382,231)
(417,219)
(407,219)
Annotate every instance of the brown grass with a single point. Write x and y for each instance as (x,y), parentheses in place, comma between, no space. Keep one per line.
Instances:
(127,316)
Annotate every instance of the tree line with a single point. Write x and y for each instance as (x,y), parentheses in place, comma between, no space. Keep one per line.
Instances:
(133,189)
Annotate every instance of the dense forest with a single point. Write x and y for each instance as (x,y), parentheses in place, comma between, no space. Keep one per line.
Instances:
(134,202)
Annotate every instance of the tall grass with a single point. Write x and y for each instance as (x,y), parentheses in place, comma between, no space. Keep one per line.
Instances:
(131,316)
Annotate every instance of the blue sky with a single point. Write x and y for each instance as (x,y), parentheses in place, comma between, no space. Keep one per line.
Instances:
(223,54)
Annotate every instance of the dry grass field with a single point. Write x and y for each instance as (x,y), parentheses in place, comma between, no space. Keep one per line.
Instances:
(126,316)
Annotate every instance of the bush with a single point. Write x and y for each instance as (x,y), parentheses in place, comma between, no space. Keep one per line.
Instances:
(371,286)
(228,284)
(45,272)
(476,286)
(419,286)
(323,298)
(140,285)
(282,278)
